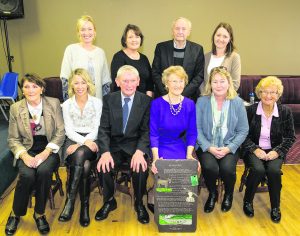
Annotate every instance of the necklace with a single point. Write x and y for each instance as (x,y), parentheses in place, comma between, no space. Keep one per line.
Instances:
(173,110)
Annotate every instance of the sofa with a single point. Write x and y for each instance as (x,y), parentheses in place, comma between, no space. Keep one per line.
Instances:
(290,96)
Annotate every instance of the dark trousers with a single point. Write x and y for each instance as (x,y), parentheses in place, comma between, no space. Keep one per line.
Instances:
(83,156)
(139,179)
(212,168)
(38,179)
(258,169)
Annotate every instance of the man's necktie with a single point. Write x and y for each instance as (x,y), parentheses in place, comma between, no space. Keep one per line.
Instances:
(125,113)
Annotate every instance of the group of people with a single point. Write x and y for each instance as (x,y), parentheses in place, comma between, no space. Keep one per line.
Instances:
(127,127)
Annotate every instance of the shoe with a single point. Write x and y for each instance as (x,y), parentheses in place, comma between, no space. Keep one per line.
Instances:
(105,209)
(210,203)
(12,225)
(42,224)
(248,209)
(84,193)
(275,214)
(227,202)
(75,175)
(142,214)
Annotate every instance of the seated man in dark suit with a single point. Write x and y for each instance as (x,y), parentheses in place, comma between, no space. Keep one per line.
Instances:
(124,137)
(179,52)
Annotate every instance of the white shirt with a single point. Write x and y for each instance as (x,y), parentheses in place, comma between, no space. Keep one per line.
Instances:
(86,122)
(214,62)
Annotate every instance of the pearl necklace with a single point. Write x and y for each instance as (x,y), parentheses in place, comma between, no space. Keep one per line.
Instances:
(173,110)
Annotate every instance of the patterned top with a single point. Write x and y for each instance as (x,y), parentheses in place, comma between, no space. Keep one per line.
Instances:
(87,121)
(93,61)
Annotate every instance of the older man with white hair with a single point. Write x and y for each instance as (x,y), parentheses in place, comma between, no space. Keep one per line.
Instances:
(181,52)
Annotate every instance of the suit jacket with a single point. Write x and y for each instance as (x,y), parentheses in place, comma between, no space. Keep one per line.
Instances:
(193,64)
(136,136)
(19,131)
(282,131)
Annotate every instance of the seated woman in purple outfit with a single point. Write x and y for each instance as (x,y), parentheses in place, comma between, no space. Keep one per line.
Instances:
(173,130)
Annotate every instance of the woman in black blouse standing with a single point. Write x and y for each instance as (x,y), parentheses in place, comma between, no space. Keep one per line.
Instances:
(132,40)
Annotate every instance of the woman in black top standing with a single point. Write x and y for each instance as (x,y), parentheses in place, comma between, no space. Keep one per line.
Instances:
(132,40)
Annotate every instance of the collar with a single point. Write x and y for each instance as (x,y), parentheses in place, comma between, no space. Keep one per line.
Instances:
(123,96)
(175,46)
(260,110)
(37,108)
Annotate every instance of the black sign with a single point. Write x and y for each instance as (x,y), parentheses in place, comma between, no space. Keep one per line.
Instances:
(175,195)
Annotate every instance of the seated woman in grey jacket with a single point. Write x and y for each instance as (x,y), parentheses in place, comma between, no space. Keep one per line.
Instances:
(222,127)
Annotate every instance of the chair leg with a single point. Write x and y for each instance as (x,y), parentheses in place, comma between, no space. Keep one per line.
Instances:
(220,189)
(51,200)
(59,183)
(243,179)
(3,112)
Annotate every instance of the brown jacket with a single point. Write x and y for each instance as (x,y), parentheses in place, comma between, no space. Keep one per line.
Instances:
(19,131)
(233,65)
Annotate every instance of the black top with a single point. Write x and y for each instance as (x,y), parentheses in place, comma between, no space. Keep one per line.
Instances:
(282,131)
(142,65)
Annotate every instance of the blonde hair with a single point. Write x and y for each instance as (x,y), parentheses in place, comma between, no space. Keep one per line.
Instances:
(125,68)
(268,82)
(187,21)
(86,77)
(83,19)
(174,70)
(222,71)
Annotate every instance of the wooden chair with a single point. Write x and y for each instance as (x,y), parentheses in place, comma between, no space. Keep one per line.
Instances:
(220,187)
(123,180)
(56,185)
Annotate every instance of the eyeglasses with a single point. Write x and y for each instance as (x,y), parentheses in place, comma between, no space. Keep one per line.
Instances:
(272,93)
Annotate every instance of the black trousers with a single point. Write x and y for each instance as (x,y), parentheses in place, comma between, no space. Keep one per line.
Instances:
(258,169)
(38,179)
(212,168)
(139,179)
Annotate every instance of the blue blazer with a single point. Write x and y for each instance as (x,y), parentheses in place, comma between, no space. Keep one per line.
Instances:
(237,124)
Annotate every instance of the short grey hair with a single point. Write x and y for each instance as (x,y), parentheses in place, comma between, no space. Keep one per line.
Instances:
(188,22)
(125,68)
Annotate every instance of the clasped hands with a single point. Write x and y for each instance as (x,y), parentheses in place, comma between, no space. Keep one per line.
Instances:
(261,154)
(106,162)
(219,152)
(34,162)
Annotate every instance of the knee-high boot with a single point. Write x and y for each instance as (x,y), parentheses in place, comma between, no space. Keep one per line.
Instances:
(84,193)
(75,176)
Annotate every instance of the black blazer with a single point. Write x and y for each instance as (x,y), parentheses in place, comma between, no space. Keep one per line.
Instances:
(282,131)
(110,134)
(193,64)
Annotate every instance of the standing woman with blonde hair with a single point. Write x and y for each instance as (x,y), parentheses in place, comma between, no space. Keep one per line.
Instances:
(88,56)
(81,112)
(223,54)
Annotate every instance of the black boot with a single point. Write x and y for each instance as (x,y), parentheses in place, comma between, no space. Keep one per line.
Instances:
(210,203)
(84,193)
(75,175)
